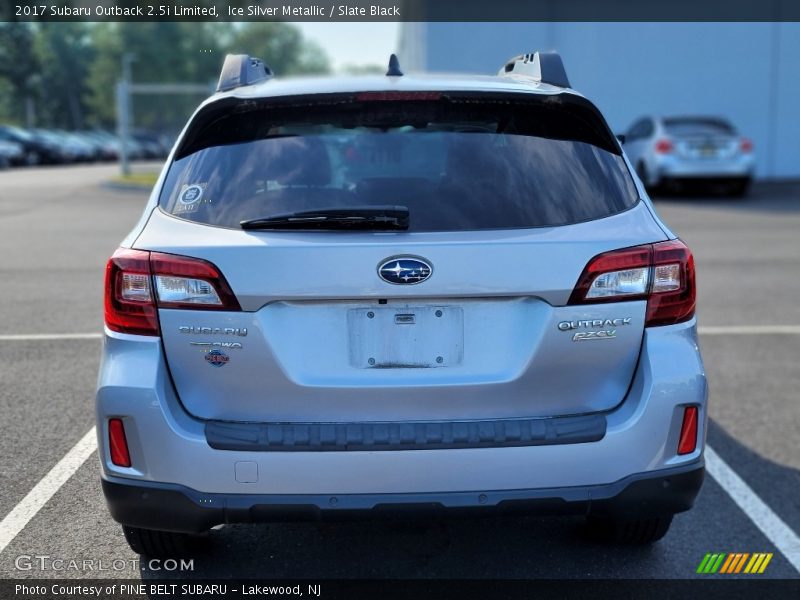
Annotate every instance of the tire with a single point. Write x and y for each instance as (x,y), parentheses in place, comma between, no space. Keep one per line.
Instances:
(633,531)
(162,544)
(32,158)
(641,171)
(739,187)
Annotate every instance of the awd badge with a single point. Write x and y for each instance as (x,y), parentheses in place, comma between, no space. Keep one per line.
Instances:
(217,358)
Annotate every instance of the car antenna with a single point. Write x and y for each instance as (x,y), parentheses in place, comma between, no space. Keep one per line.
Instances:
(394,67)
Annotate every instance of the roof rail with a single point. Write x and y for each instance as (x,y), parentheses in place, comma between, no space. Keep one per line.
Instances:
(546,67)
(241,69)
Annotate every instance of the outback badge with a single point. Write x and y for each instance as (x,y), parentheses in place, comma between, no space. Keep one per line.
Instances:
(599,329)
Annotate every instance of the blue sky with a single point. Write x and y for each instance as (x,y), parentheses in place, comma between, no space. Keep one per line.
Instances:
(354,43)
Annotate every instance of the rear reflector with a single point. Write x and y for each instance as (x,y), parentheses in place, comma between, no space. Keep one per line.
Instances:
(746,145)
(118,444)
(662,274)
(688,439)
(138,282)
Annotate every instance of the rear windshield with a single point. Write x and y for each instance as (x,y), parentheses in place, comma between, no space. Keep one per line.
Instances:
(686,126)
(456,164)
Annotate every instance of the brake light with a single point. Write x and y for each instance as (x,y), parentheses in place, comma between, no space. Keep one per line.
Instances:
(118,444)
(397,96)
(138,282)
(745,145)
(688,439)
(672,297)
(662,274)
(129,306)
(664,146)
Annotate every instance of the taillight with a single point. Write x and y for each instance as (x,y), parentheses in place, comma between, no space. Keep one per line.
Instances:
(129,306)
(184,282)
(138,282)
(664,146)
(687,442)
(673,293)
(118,444)
(661,273)
(745,145)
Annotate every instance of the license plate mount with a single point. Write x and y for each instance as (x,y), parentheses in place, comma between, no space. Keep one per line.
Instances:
(406,337)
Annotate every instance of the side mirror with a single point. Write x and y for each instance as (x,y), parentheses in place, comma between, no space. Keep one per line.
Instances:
(621,137)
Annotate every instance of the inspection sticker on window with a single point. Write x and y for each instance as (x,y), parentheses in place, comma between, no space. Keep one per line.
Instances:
(190,197)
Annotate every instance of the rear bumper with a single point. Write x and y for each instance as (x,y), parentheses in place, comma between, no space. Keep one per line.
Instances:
(167,444)
(172,507)
(734,168)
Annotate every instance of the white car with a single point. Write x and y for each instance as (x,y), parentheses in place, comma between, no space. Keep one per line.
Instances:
(675,151)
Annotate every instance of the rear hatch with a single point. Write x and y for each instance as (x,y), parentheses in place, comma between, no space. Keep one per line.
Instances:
(702,138)
(461,313)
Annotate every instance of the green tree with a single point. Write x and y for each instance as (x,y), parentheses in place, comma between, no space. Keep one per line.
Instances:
(65,74)
(281,46)
(64,54)
(185,53)
(19,71)
(162,52)
(351,69)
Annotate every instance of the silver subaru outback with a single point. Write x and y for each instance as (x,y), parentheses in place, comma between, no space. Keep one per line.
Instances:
(398,293)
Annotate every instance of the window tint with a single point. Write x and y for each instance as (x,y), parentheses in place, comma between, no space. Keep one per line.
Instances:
(455,166)
(641,129)
(697,126)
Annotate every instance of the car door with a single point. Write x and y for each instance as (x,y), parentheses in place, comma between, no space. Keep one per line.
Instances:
(637,144)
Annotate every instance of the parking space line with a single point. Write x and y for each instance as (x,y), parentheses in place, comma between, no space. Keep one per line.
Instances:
(750,330)
(22,513)
(24,337)
(770,524)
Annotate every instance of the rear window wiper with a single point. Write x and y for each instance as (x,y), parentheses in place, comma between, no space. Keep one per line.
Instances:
(373,217)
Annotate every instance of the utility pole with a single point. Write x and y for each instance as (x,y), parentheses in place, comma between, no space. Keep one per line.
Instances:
(124,112)
(125,91)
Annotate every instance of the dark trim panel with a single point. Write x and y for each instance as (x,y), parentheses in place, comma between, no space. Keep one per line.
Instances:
(172,507)
(407,435)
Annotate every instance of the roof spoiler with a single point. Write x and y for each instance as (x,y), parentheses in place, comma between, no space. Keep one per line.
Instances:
(241,69)
(546,67)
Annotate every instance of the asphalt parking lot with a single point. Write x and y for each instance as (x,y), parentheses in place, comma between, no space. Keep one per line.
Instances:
(59,225)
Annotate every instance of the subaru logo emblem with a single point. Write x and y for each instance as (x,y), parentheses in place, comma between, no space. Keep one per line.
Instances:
(403,270)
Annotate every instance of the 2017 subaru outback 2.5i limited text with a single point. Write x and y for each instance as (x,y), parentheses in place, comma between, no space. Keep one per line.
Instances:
(435,293)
